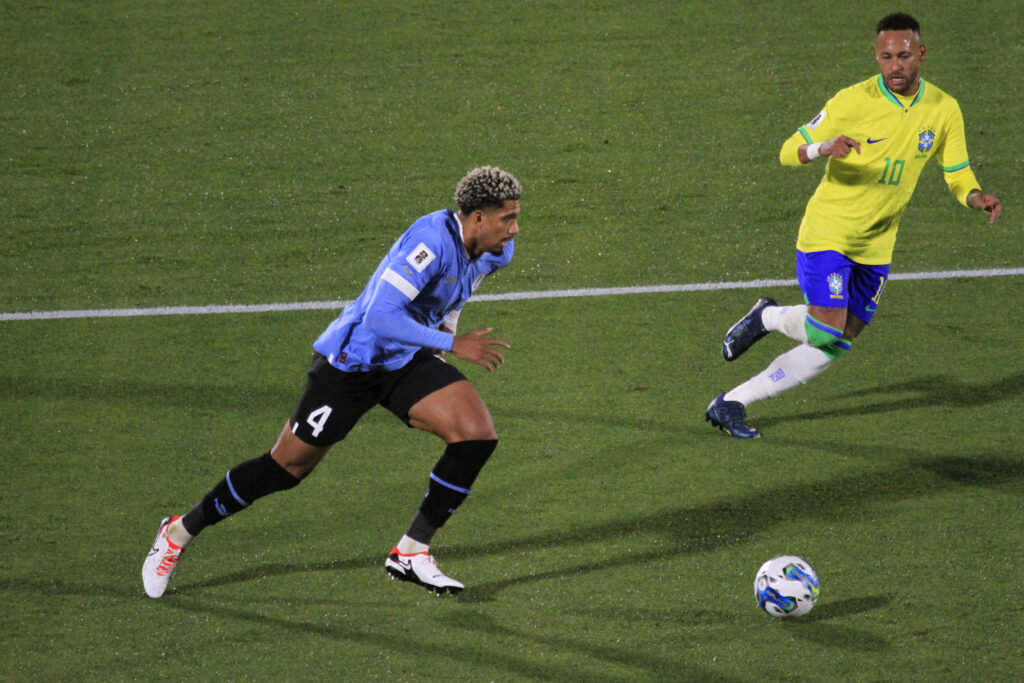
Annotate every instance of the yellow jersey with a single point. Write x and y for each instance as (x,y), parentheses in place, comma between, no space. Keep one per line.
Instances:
(857,206)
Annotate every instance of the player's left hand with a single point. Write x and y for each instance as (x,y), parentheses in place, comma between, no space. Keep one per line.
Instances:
(477,347)
(988,203)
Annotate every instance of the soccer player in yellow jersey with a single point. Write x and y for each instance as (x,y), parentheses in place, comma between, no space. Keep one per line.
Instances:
(877,137)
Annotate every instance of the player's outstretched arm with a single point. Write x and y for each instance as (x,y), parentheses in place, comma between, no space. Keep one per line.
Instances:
(477,347)
(988,203)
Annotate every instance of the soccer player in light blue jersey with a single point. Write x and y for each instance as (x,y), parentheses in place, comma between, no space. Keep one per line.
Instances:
(877,136)
(385,348)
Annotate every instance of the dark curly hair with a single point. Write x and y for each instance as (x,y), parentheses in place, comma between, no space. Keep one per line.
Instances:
(898,21)
(484,187)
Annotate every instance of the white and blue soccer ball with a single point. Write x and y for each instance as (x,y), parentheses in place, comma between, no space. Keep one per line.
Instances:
(786,586)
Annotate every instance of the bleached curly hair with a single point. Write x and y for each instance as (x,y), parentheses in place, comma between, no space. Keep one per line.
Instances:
(486,186)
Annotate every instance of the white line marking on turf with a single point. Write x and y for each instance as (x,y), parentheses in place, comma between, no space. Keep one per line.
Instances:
(510,296)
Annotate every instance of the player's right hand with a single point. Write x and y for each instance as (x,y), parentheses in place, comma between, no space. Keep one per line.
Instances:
(839,147)
(476,347)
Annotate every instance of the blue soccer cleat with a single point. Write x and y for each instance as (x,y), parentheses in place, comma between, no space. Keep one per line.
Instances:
(748,330)
(729,416)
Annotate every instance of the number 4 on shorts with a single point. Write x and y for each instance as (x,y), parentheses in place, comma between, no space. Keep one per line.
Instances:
(317,419)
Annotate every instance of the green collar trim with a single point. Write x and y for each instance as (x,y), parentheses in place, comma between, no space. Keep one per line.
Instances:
(889,95)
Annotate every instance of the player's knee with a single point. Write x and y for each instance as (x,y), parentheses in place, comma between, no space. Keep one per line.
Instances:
(826,338)
(471,426)
(821,335)
(467,432)
(480,432)
(837,349)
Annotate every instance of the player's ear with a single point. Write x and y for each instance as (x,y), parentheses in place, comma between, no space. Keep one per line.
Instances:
(921,54)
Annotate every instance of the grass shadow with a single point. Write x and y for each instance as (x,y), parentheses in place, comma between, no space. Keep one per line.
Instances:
(843,608)
(694,529)
(359,630)
(938,391)
(824,632)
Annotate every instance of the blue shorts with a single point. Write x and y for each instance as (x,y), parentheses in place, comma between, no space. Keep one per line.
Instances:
(827,278)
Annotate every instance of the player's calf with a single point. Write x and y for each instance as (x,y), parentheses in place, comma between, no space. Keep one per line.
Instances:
(452,477)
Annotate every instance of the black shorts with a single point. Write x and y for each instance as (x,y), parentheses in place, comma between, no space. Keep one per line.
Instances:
(334,400)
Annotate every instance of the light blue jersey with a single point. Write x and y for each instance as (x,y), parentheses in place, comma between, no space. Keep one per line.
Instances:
(426,275)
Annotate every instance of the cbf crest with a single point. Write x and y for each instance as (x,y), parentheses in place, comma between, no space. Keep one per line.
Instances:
(925,139)
(835,285)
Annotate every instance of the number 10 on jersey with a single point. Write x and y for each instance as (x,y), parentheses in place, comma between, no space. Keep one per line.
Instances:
(892,172)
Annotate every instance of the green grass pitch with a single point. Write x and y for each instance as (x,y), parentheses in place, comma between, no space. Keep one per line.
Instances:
(184,154)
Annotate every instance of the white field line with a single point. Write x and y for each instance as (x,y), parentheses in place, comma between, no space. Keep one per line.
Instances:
(510,296)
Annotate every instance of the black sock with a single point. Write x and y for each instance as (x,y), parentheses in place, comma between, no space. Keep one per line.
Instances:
(421,530)
(450,483)
(240,487)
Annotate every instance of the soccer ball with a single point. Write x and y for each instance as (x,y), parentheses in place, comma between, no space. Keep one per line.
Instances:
(786,586)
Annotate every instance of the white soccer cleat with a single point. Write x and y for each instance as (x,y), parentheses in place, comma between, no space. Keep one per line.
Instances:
(420,568)
(161,561)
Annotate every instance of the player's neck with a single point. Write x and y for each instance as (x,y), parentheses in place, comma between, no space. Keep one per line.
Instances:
(910,94)
(462,234)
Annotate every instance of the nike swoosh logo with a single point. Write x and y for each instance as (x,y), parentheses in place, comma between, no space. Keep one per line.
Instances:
(871,142)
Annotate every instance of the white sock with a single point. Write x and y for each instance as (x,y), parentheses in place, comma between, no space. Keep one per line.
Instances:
(408,546)
(793,368)
(176,532)
(789,320)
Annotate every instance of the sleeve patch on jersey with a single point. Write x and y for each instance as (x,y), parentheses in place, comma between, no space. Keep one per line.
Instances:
(421,257)
(816,121)
(400,283)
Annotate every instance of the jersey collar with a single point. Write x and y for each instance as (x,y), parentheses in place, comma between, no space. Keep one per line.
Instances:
(462,237)
(889,95)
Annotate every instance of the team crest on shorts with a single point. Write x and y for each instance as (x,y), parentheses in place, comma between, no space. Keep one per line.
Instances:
(835,285)
(926,137)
